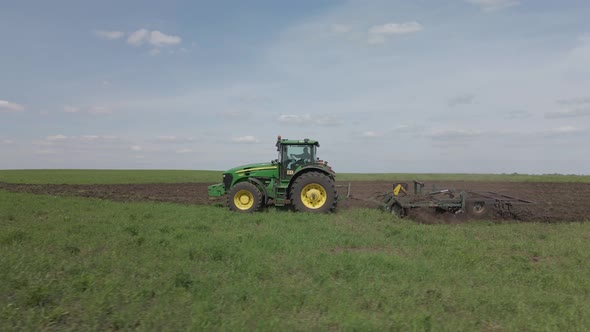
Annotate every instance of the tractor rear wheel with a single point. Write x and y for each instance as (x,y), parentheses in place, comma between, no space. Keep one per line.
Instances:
(314,192)
(244,197)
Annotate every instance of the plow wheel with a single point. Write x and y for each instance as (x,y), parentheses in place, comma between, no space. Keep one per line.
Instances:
(313,192)
(244,197)
(398,211)
(478,209)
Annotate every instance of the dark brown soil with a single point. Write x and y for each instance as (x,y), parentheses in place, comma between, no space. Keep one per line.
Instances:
(185,193)
(555,202)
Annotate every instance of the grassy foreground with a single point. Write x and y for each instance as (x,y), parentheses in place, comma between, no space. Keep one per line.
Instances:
(86,264)
(86,176)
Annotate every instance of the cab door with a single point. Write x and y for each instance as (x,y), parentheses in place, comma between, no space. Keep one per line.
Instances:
(285,164)
(293,157)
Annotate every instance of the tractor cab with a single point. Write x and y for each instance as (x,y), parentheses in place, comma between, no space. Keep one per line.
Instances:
(294,154)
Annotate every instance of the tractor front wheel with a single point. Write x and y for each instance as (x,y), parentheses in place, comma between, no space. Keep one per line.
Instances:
(244,197)
(314,192)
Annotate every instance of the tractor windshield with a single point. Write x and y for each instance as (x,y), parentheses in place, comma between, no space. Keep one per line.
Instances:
(305,153)
(293,156)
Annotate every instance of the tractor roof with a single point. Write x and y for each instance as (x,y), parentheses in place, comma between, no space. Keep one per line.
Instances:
(305,141)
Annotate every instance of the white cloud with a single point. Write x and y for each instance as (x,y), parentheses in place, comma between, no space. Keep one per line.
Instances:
(307,119)
(465,99)
(181,151)
(455,138)
(158,38)
(565,129)
(93,138)
(568,113)
(396,28)
(454,134)
(562,131)
(46,152)
(167,138)
(518,114)
(582,51)
(110,35)
(491,5)
(237,114)
(408,129)
(245,139)
(154,51)
(136,148)
(99,110)
(6,141)
(370,134)
(10,106)
(576,63)
(138,37)
(44,142)
(328,121)
(378,33)
(376,39)
(341,28)
(154,38)
(71,109)
(91,110)
(58,137)
(295,119)
(574,101)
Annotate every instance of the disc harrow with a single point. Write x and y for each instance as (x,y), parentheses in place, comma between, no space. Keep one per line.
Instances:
(400,201)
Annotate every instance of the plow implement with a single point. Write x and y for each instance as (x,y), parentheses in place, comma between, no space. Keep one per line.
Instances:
(400,201)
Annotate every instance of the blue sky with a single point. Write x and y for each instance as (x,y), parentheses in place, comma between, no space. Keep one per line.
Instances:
(489,86)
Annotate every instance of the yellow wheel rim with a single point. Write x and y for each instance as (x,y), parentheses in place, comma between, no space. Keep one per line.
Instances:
(314,196)
(243,200)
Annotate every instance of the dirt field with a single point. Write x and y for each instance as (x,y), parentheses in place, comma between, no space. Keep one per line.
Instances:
(555,202)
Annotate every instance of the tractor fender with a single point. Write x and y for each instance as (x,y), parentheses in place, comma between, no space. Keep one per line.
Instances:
(307,169)
(261,187)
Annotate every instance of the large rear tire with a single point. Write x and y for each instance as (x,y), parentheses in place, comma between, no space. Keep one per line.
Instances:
(244,197)
(314,192)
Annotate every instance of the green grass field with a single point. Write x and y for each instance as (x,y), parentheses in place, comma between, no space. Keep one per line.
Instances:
(87,264)
(175,176)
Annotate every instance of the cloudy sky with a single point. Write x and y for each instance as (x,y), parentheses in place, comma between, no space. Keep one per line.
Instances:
(485,86)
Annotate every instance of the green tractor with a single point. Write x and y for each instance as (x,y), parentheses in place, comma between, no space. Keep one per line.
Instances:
(297,177)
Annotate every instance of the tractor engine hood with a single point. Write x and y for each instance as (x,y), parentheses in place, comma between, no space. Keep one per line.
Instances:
(253,168)
(233,175)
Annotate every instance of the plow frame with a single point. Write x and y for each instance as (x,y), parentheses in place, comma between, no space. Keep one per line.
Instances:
(481,204)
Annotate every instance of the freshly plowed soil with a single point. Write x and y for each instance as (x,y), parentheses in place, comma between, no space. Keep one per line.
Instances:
(555,202)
